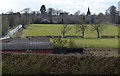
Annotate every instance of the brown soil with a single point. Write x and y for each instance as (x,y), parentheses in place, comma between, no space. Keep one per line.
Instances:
(19,33)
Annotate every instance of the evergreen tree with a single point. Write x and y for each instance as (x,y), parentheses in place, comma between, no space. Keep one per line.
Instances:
(43,9)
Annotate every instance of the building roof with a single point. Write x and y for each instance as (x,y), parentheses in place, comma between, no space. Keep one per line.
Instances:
(27,44)
(21,40)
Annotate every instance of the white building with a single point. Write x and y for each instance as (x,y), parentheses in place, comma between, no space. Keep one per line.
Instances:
(119,6)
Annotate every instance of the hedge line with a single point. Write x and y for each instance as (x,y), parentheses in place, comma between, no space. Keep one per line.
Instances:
(59,64)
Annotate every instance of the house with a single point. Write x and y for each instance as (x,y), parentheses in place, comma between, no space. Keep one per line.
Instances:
(29,45)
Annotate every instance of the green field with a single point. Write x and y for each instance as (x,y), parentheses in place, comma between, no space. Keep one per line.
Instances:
(90,39)
(55,29)
(99,43)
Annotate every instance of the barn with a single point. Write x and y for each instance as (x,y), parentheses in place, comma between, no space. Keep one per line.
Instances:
(35,45)
(28,45)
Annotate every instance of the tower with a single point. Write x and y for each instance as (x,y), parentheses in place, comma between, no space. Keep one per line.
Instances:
(88,16)
(88,12)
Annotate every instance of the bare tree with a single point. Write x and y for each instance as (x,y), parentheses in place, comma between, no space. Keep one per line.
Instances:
(64,30)
(113,14)
(51,12)
(81,27)
(11,18)
(25,17)
(77,13)
(64,17)
(5,24)
(98,27)
(58,12)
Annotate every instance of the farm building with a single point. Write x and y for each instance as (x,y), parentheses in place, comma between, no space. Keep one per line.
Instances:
(43,45)
(35,45)
(22,45)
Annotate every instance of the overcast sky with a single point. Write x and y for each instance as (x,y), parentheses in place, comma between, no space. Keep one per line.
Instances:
(70,6)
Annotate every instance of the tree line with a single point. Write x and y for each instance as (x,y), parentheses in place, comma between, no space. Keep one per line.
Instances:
(81,28)
(55,16)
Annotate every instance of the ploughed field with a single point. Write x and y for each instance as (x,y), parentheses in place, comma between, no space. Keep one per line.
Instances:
(90,39)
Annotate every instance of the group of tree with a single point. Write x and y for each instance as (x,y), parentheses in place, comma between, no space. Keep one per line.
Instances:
(55,16)
(81,28)
(113,15)
(58,16)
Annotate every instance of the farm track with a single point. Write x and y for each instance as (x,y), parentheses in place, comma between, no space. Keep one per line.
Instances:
(19,33)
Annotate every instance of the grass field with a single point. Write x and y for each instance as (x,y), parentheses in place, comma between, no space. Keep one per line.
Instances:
(95,42)
(90,39)
(55,29)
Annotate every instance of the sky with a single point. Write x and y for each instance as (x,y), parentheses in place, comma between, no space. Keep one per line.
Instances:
(71,6)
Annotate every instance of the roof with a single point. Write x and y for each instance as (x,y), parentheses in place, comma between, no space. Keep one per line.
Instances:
(27,44)
(21,40)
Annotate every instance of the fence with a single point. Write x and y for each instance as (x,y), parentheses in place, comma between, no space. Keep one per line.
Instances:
(54,36)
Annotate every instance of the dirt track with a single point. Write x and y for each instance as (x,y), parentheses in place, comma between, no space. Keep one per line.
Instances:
(19,33)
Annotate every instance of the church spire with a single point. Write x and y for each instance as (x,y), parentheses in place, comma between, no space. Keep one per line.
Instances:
(88,12)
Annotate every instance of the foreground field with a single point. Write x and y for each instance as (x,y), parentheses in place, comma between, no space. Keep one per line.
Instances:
(59,64)
(55,30)
(95,42)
